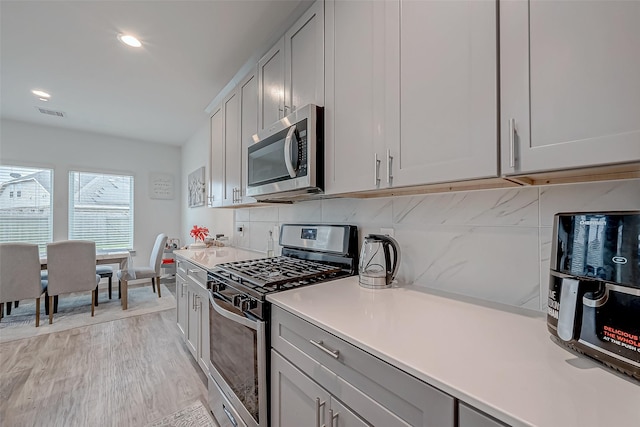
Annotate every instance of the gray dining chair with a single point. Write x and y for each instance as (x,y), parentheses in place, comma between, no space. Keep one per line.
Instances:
(20,275)
(72,268)
(151,271)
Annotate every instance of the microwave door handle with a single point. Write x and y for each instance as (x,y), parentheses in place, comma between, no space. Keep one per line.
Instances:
(287,151)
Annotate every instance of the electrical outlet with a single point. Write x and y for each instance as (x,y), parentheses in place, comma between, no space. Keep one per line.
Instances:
(387,231)
(240,229)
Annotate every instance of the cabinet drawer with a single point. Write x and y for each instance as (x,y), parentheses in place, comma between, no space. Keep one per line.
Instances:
(469,417)
(191,272)
(306,345)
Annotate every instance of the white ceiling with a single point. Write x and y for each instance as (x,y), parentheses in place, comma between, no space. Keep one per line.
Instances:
(158,93)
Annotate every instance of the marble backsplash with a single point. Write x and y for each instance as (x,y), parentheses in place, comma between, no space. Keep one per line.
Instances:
(488,244)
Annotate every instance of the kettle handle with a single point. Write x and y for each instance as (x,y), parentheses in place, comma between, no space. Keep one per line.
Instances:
(390,241)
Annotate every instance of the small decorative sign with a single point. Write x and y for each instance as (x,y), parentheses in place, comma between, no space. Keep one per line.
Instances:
(197,188)
(161,185)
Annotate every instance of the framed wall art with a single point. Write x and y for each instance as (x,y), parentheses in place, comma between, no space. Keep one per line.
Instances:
(197,188)
(160,185)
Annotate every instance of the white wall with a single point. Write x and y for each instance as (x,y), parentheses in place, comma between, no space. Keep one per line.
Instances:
(64,150)
(195,154)
(490,244)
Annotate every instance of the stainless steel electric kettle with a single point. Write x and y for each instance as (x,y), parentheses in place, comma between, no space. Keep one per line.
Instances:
(376,267)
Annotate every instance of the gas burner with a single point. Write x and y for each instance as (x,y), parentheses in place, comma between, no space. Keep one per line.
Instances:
(272,272)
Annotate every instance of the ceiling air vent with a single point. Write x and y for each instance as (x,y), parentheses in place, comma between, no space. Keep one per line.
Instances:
(51,112)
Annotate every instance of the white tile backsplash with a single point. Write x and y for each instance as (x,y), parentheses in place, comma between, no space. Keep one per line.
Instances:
(310,212)
(495,263)
(588,197)
(489,244)
(264,214)
(502,207)
(357,211)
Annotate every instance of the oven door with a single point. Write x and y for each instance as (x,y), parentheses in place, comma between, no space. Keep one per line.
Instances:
(237,364)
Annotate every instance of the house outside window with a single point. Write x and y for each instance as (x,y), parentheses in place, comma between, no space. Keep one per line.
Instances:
(101,209)
(27,217)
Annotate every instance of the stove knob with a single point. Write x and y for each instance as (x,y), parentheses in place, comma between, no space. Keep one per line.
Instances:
(238,300)
(245,304)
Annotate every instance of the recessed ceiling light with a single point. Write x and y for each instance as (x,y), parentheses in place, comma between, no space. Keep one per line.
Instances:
(40,93)
(129,40)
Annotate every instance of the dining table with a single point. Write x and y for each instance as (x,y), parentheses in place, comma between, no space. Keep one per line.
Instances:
(122,258)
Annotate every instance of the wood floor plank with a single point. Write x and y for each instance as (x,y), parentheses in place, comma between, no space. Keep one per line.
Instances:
(127,372)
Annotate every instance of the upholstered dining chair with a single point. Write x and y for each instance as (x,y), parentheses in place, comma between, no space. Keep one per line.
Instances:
(151,271)
(72,268)
(20,275)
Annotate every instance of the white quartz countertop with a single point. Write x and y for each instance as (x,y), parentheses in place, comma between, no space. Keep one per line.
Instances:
(499,360)
(210,257)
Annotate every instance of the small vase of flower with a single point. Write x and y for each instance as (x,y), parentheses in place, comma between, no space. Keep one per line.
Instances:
(199,234)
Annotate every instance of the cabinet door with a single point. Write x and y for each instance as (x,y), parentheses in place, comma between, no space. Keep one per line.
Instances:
(304,60)
(448,93)
(570,89)
(216,170)
(181,303)
(271,86)
(341,416)
(232,148)
(248,125)
(295,399)
(193,329)
(202,308)
(355,125)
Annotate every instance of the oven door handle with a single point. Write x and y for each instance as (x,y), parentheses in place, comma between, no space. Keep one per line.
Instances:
(232,316)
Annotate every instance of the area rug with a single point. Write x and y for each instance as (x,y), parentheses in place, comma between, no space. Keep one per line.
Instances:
(74,310)
(195,415)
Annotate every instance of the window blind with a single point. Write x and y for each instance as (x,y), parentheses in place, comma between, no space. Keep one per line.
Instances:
(26,210)
(101,209)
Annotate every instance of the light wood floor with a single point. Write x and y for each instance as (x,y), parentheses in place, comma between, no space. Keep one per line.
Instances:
(127,372)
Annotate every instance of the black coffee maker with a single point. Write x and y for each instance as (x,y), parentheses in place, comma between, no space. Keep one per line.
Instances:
(594,287)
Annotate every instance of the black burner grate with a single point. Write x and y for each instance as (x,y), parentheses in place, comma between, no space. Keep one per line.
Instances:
(270,272)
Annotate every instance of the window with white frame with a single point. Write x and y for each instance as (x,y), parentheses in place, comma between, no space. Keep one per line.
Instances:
(101,209)
(26,205)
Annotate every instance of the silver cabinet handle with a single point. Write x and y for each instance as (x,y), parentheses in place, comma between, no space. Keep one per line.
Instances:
(333,417)
(318,406)
(389,160)
(192,271)
(333,353)
(512,143)
(376,170)
(182,289)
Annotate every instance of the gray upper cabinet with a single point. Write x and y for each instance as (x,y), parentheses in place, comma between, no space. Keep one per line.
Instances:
(291,73)
(304,60)
(570,85)
(216,170)
(248,92)
(356,84)
(448,93)
(271,86)
(232,148)
(412,93)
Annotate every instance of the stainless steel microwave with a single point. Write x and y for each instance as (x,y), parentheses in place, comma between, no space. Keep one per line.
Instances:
(287,158)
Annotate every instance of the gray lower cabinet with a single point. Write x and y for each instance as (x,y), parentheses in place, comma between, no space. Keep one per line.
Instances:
(352,386)
(469,417)
(193,310)
(299,401)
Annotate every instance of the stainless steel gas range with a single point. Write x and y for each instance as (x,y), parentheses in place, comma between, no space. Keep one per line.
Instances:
(239,314)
